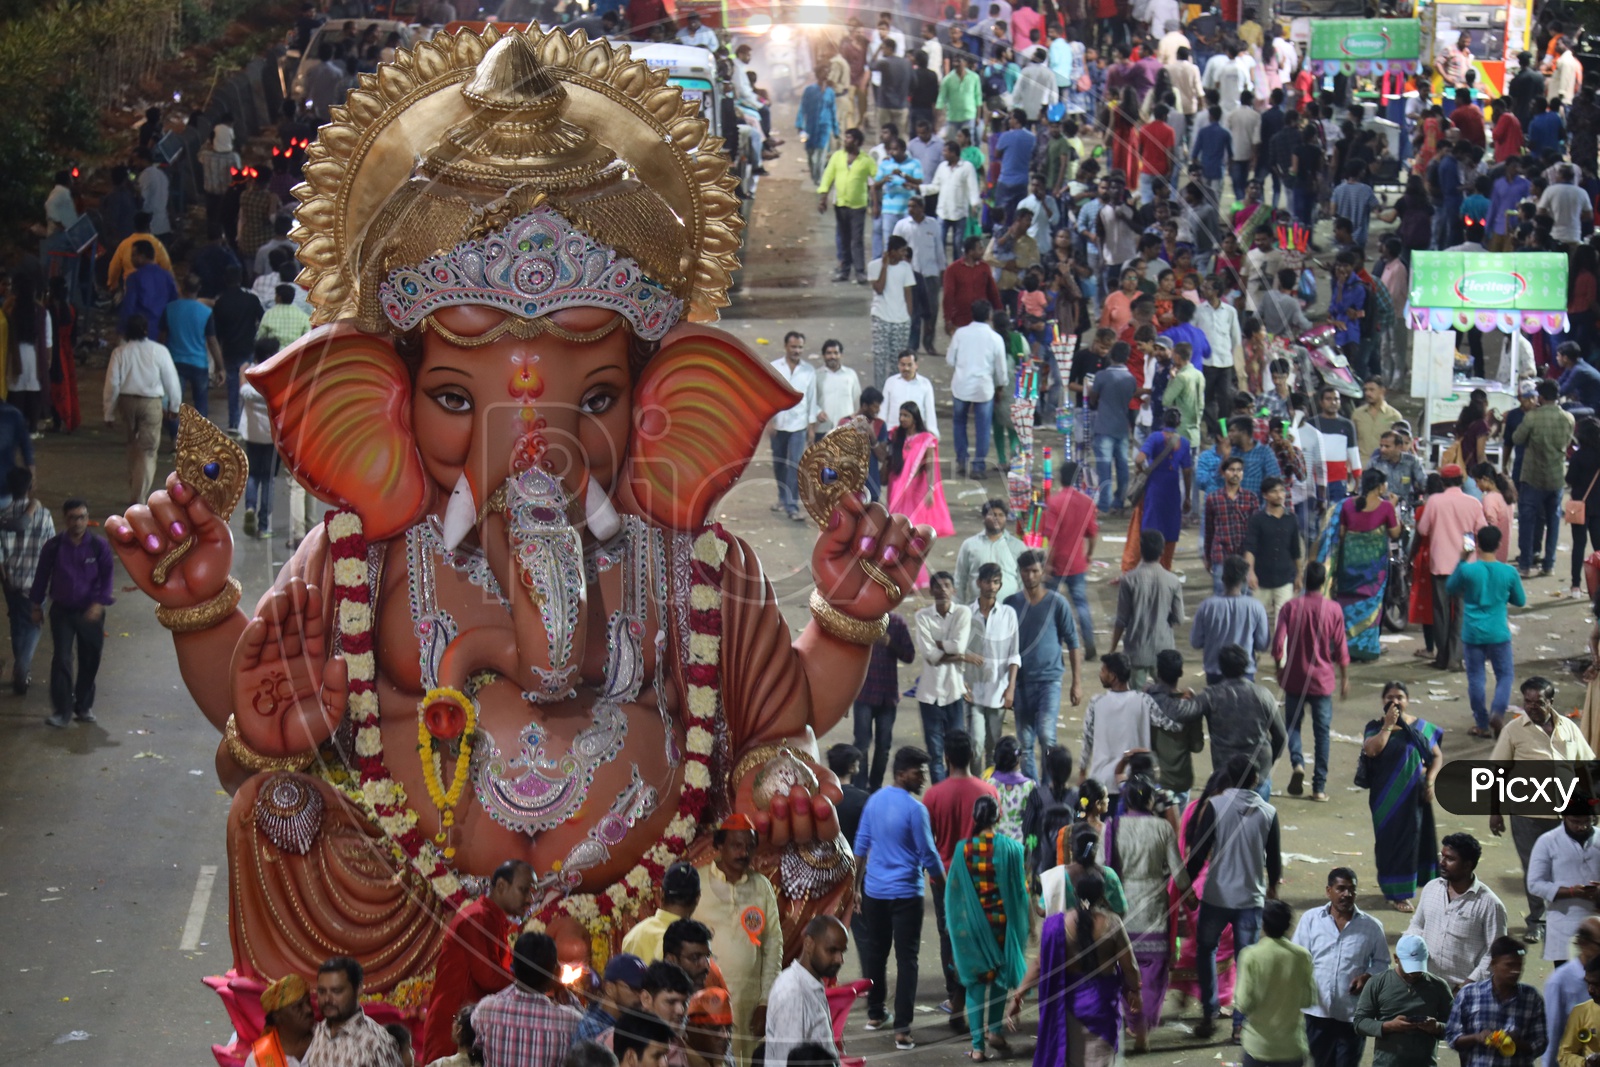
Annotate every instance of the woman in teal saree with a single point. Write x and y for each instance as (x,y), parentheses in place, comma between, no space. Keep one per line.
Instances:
(1355,550)
(1401,757)
(988,914)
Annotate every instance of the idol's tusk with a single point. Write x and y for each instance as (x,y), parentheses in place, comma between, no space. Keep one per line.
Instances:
(598,510)
(460,514)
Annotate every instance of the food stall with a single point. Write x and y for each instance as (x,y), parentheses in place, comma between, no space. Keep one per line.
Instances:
(1363,47)
(1504,296)
(1497,31)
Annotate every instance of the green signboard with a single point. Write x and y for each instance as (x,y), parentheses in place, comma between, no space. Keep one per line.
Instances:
(1488,290)
(1363,46)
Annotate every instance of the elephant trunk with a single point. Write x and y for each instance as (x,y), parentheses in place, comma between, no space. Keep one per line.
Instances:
(537,554)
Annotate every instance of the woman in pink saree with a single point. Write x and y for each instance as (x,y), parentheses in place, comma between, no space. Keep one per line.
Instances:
(915,488)
(1186,908)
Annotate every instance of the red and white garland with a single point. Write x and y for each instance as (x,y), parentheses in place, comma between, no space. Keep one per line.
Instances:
(384,799)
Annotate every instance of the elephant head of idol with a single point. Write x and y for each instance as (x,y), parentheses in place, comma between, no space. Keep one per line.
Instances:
(509,240)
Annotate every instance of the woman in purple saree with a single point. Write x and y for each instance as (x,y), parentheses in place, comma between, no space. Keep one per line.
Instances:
(1087,977)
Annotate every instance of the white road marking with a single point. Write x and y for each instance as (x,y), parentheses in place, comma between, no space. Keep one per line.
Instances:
(197,909)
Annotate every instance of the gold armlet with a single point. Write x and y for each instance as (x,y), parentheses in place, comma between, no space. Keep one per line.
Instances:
(251,760)
(836,623)
(202,616)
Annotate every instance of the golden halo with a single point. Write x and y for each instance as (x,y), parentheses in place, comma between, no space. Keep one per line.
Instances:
(370,148)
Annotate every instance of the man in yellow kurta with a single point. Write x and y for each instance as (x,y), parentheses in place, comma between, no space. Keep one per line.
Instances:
(680,895)
(741,909)
(1581,1040)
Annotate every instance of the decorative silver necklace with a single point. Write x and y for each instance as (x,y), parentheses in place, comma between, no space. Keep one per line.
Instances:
(527,790)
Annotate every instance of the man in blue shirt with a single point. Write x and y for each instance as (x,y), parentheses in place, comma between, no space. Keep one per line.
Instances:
(1452,192)
(1014,150)
(1579,379)
(1185,330)
(898,177)
(190,334)
(1509,190)
(1044,629)
(147,290)
(1347,302)
(1545,132)
(1213,146)
(894,847)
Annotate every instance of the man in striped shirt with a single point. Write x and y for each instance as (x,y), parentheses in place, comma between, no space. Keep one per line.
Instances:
(1340,445)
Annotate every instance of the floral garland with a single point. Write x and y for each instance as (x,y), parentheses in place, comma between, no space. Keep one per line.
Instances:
(384,800)
(375,791)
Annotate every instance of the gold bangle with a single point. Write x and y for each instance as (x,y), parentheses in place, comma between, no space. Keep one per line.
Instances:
(205,615)
(836,623)
(757,757)
(251,760)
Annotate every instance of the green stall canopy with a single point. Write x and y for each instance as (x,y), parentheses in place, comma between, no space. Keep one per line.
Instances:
(1363,46)
(1488,291)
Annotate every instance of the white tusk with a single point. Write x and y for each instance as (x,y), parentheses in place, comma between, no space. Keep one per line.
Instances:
(460,514)
(598,510)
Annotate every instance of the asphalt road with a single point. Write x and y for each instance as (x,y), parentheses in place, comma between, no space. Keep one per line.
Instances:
(113,893)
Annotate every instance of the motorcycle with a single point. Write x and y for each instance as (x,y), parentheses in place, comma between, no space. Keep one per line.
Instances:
(1323,364)
(1397,590)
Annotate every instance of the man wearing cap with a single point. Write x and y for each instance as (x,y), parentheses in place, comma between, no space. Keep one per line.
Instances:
(709,1039)
(1564,870)
(1446,522)
(1567,987)
(680,896)
(475,956)
(741,910)
(1404,1009)
(287,1032)
(1499,1006)
(619,992)
(800,1004)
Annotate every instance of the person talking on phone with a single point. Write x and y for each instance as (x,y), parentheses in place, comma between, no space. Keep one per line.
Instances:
(1538,734)
(1450,522)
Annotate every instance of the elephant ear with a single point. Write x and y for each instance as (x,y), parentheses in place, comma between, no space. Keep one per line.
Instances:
(699,410)
(340,401)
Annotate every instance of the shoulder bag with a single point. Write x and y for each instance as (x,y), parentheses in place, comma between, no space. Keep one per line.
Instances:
(1576,510)
(1139,481)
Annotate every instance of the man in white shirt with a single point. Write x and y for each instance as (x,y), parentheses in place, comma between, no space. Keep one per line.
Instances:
(978,373)
(894,283)
(1564,871)
(1046,211)
(960,195)
(1186,85)
(1227,74)
(790,431)
(1172,39)
(1457,915)
(925,241)
(1243,124)
(1220,323)
(1567,205)
(797,1006)
(1347,949)
(1036,85)
(941,633)
(696,35)
(838,387)
(1564,77)
(141,383)
(58,206)
(909,387)
(994,642)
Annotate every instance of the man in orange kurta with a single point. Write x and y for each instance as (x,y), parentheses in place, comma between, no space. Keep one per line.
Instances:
(475,957)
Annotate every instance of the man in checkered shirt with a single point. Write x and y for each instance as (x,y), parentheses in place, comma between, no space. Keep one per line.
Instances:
(520,1026)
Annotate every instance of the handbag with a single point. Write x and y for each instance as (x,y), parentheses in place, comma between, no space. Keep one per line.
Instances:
(1139,481)
(1083,84)
(1576,510)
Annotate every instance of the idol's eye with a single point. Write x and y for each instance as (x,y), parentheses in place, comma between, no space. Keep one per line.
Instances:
(452,400)
(598,401)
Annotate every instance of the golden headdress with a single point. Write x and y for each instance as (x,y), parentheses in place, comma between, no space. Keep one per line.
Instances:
(531,170)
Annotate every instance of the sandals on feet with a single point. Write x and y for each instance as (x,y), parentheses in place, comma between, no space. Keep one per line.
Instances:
(976,1055)
(1402,905)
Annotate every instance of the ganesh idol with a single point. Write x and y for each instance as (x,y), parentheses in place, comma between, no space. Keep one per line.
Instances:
(517,635)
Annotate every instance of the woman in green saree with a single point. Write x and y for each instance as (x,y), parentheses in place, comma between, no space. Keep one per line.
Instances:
(988,914)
